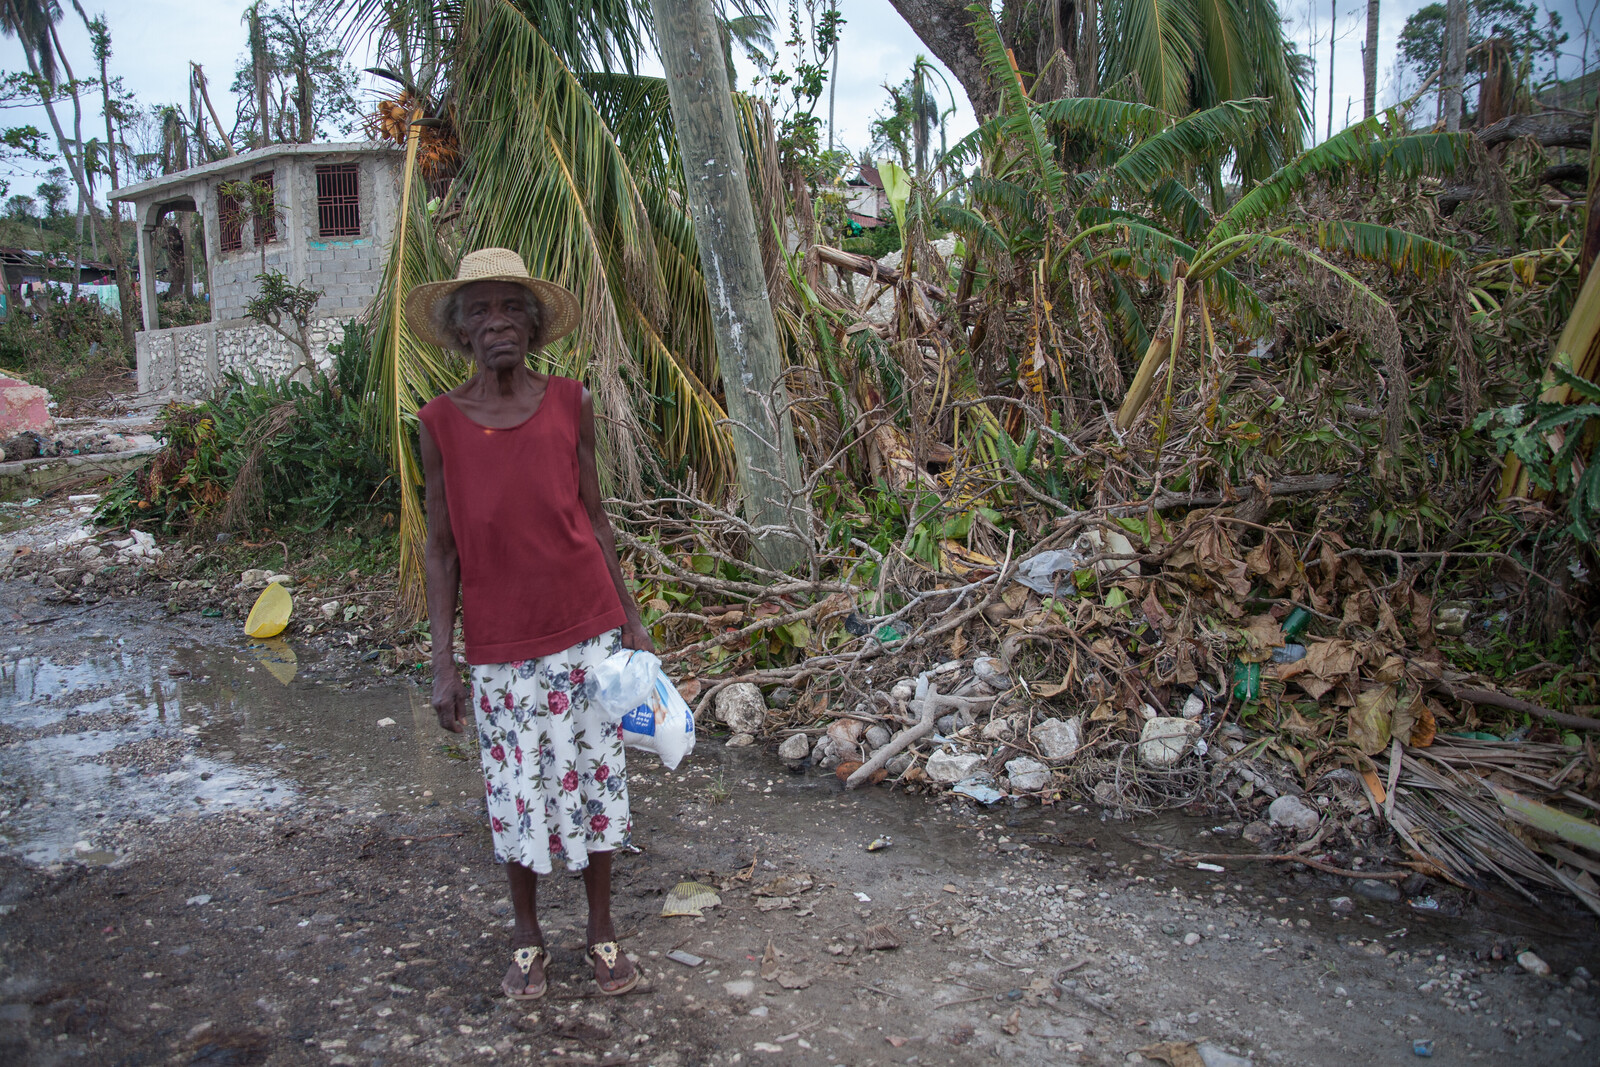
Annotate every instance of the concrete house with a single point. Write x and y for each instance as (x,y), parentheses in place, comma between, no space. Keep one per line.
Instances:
(337,207)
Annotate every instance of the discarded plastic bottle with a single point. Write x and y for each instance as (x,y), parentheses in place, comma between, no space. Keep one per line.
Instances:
(1288,653)
(1246,681)
(1296,623)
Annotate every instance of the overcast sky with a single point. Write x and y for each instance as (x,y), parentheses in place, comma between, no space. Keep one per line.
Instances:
(153,41)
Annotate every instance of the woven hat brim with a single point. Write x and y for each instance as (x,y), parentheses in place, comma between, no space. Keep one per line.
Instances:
(425,304)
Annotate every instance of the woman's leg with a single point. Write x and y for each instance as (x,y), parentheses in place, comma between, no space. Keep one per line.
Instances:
(524,904)
(597,883)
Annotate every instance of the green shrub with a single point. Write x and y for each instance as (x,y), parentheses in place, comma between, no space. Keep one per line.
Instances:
(281,452)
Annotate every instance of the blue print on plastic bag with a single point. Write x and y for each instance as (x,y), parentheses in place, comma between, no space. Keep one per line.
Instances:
(641,720)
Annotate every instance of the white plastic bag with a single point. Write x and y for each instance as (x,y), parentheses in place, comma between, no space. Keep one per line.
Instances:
(624,681)
(662,724)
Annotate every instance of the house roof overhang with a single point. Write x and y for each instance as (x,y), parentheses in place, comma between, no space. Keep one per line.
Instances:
(155,188)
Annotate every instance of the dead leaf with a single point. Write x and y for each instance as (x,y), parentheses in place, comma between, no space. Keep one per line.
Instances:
(1174,1053)
(1263,632)
(790,980)
(1154,613)
(895,1041)
(958,643)
(1427,725)
(1259,559)
(1331,660)
(769,962)
(1370,718)
(1013,1023)
(1048,690)
(789,885)
(689,689)
(881,938)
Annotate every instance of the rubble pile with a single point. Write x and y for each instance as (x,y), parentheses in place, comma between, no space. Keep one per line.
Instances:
(1212,663)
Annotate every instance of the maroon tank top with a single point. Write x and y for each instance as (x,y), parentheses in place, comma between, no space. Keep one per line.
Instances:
(533,578)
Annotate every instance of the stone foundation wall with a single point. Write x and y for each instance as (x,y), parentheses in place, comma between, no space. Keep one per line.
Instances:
(188,362)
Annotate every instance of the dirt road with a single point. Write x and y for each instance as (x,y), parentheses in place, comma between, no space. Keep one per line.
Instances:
(221,853)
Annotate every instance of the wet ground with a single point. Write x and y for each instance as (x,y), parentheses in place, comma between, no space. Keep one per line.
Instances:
(220,852)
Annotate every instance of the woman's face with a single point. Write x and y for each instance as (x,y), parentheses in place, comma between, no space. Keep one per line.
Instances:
(495,325)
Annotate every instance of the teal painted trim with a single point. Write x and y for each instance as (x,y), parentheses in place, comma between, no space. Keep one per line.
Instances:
(322,246)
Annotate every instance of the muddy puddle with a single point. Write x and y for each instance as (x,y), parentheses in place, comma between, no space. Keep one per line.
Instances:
(119,735)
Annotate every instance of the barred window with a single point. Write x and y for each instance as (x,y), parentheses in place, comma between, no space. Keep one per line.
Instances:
(338,201)
(267,228)
(230,223)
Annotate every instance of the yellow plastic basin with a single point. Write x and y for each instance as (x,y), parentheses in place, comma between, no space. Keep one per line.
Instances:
(271,613)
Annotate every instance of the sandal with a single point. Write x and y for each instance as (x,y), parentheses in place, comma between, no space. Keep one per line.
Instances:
(524,959)
(608,953)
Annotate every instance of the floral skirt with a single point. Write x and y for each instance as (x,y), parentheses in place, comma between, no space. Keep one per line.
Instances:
(553,767)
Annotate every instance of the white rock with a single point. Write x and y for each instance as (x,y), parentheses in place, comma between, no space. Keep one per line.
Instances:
(741,740)
(742,707)
(1027,775)
(1146,712)
(795,747)
(996,730)
(991,672)
(1059,739)
(1292,813)
(330,609)
(902,691)
(255,578)
(1531,963)
(1216,1056)
(1191,939)
(948,768)
(877,737)
(386,721)
(1194,707)
(280,579)
(1164,741)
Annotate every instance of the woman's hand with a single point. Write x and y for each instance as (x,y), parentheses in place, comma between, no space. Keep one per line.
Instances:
(452,701)
(635,636)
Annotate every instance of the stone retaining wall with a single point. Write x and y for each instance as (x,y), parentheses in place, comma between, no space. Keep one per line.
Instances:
(187,362)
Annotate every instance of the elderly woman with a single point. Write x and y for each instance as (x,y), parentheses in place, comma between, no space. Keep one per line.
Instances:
(515,528)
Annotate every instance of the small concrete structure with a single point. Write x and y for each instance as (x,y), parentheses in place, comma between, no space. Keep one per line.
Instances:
(337,207)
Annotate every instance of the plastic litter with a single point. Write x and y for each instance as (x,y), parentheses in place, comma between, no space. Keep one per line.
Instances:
(1422,1047)
(978,789)
(663,724)
(271,612)
(624,680)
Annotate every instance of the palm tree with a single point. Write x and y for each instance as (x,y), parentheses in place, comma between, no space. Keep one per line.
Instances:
(1175,55)
(32,23)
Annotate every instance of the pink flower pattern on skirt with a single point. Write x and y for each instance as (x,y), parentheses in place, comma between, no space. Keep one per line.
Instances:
(572,797)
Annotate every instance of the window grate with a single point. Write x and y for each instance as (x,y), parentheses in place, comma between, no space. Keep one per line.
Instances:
(338,201)
(267,228)
(230,220)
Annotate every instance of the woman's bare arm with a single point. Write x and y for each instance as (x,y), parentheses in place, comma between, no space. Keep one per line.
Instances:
(451,700)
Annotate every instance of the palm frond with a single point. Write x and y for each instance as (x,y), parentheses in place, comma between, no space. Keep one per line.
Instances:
(1192,141)
(1153,40)
(1399,250)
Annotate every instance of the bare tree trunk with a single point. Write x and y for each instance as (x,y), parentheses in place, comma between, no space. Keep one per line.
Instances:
(124,282)
(1333,35)
(258,64)
(1370,62)
(748,349)
(1088,57)
(945,26)
(1455,61)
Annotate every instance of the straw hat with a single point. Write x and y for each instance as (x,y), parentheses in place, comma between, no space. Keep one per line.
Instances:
(425,304)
